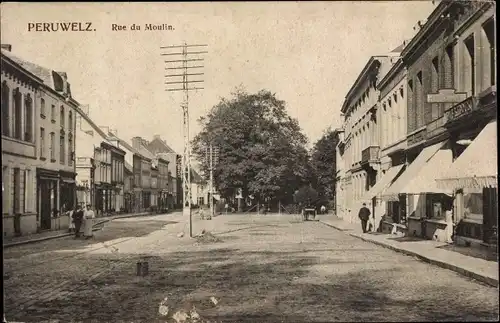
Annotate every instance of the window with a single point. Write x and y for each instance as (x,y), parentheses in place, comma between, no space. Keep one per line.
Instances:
(28,118)
(42,142)
(401,92)
(62,151)
(62,116)
(52,146)
(449,73)
(17,120)
(435,107)
(471,62)
(489,51)
(17,191)
(53,113)
(26,190)
(42,107)
(70,120)
(70,150)
(419,104)
(5,188)
(435,75)
(5,109)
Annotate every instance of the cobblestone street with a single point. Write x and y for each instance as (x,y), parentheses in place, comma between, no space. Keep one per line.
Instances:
(263,269)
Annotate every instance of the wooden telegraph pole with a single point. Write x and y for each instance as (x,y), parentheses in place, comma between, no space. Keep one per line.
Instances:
(178,73)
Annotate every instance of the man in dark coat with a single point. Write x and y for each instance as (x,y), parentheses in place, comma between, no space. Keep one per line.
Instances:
(78,219)
(364,216)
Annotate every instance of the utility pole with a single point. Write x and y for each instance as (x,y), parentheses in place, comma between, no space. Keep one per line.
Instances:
(211,181)
(175,76)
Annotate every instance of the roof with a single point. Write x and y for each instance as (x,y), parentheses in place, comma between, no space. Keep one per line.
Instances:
(142,151)
(10,58)
(45,74)
(160,146)
(125,144)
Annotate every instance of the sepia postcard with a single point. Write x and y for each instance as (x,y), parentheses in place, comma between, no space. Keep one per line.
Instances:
(323,161)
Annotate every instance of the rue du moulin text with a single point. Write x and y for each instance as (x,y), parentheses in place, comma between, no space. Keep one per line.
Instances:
(146,27)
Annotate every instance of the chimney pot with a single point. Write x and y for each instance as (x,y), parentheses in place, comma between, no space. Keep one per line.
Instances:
(7,47)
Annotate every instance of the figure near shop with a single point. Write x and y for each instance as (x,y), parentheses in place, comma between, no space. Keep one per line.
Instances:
(78,220)
(88,222)
(364,216)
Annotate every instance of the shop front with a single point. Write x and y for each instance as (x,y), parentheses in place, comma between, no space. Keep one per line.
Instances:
(103,199)
(430,207)
(67,186)
(372,197)
(406,214)
(473,178)
(47,197)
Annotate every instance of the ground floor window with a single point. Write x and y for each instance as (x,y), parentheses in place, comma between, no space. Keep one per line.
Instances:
(436,205)
(146,199)
(68,191)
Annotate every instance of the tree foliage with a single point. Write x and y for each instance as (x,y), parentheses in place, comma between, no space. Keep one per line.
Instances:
(323,163)
(306,195)
(261,148)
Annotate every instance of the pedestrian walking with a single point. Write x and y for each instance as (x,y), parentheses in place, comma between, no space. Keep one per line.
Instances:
(88,222)
(364,216)
(323,209)
(78,219)
(71,226)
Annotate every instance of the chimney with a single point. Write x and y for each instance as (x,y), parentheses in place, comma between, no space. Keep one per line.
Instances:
(7,47)
(137,142)
(157,137)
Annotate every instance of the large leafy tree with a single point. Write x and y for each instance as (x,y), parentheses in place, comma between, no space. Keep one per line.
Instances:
(261,149)
(323,163)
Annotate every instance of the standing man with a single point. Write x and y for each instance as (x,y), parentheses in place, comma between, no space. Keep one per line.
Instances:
(89,220)
(78,219)
(364,216)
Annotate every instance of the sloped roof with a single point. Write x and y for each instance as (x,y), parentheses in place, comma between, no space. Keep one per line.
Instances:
(43,73)
(142,151)
(159,146)
(125,144)
(9,57)
(146,153)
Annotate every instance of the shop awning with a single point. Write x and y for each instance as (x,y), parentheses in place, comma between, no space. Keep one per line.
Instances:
(477,166)
(392,193)
(381,185)
(425,180)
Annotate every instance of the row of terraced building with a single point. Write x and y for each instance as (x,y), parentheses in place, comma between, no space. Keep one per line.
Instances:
(418,141)
(55,156)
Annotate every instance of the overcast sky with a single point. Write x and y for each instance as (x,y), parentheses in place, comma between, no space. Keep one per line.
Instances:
(309,54)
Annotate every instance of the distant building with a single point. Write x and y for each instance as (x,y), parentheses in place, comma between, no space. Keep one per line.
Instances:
(361,133)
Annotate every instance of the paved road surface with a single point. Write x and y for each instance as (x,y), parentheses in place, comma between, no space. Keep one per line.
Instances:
(264,269)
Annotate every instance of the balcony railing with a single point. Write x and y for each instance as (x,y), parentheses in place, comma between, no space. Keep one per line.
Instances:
(462,109)
(435,127)
(370,154)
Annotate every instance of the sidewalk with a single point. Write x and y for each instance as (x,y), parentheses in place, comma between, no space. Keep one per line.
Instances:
(430,251)
(37,237)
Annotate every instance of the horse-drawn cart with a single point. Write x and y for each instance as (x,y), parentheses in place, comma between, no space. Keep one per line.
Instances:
(307,212)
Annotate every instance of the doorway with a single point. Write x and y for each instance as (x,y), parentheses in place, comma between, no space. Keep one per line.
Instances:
(45,190)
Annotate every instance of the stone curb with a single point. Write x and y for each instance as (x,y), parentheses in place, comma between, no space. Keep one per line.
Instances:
(465,272)
(13,244)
